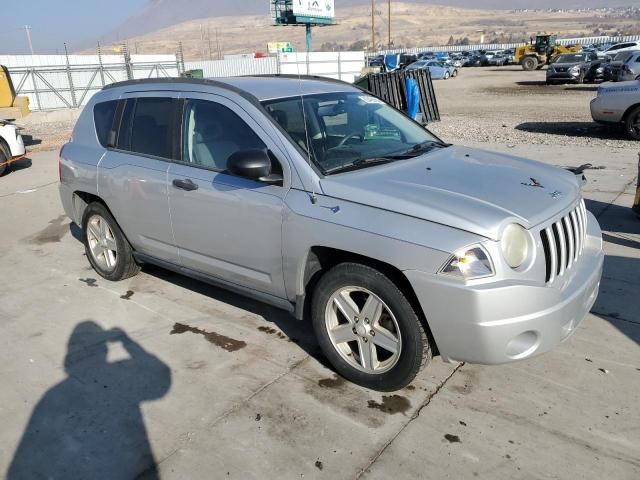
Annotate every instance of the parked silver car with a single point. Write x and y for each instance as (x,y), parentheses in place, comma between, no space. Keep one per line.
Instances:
(625,66)
(318,198)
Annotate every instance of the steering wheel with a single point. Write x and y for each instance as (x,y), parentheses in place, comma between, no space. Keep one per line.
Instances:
(349,137)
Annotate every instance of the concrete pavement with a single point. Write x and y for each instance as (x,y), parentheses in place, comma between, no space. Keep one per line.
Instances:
(164,375)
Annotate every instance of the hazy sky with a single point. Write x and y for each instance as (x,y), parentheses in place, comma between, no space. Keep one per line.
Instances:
(55,21)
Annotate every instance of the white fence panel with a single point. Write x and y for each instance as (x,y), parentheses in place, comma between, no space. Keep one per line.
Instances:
(504,46)
(344,66)
(235,67)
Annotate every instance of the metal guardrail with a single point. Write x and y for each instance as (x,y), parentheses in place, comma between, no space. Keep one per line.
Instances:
(504,46)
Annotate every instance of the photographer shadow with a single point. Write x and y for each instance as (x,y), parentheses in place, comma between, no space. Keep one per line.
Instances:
(90,425)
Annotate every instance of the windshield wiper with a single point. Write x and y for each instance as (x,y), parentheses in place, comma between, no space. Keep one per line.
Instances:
(425,146)
(363,162)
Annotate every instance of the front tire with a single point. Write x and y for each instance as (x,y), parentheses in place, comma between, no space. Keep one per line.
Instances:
(447,75)
(367,328)
(105,245)
(529,64)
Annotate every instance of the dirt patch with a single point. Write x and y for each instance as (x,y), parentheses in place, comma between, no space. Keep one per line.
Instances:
(452,438)
(272,331)
(53,233)
(128,295)
(222,341)
(391,404)
(331,382)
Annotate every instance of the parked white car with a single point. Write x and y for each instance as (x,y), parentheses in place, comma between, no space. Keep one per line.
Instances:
(11,144)
(619,103)
(613,50)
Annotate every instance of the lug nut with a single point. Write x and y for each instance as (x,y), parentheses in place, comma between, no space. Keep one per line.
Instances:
(372,333)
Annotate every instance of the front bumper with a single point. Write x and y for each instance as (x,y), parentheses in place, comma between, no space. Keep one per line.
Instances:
(563,77)
(19,149)
(504,321)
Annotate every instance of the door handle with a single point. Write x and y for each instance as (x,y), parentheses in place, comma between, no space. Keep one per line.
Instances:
(185,184)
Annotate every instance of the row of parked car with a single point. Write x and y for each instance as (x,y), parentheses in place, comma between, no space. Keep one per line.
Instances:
(442,65)
(587,66)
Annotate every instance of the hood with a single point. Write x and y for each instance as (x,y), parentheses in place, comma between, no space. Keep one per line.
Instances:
(630,86)
(468,189)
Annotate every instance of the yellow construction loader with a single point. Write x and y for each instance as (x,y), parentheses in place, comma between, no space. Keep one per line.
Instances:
(11,106)
(541,51)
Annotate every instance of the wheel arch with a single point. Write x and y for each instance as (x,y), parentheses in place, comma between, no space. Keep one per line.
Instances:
(321,259)
(629,110)
(81,201)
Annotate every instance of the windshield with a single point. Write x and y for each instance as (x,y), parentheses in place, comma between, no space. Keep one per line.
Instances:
(623,57)
(347,129)
(570,58)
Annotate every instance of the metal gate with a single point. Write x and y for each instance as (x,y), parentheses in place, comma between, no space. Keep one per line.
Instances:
(69,81)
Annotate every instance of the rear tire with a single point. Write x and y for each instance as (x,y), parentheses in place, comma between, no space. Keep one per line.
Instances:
(105,245)
(529,64)
(343,296)
(447,75)
(632,124)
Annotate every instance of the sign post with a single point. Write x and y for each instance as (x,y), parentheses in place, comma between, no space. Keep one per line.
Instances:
(309,13)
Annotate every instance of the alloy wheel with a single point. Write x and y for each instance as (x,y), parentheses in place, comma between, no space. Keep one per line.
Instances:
(102,243)
(363,330)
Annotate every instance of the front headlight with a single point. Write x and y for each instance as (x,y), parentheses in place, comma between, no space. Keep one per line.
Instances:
(515,245)
(574,69)
(600,70)
(470,263)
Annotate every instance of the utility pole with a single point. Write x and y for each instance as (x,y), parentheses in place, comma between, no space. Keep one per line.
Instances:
(218,46)
(27,29)
(373,25)
(389,20)
(209,40)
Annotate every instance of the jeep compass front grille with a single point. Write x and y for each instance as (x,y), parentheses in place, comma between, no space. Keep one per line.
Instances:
(563,242)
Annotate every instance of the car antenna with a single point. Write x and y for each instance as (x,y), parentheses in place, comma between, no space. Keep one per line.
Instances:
(314,197)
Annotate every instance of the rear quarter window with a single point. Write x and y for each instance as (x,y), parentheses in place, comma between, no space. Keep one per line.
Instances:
(103,115)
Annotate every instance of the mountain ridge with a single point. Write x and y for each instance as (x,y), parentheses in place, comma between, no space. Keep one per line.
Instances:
(158,14)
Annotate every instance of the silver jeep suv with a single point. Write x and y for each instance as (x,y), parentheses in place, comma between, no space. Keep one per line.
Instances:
(318,198)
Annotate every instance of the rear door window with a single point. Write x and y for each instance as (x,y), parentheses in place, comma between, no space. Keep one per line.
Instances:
(148,126)
(103,115)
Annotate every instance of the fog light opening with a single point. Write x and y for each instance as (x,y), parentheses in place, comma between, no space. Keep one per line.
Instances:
(522,345)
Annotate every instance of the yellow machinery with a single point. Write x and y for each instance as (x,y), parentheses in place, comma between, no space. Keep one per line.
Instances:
(11,106)
(539,53)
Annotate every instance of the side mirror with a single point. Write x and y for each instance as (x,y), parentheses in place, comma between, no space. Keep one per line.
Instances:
(254,165)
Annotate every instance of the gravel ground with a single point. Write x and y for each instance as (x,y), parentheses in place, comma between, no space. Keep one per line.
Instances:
(482,105)
(510,106)
(48,130)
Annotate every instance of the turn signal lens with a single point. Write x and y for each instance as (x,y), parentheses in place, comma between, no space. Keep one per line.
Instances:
(469,264)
